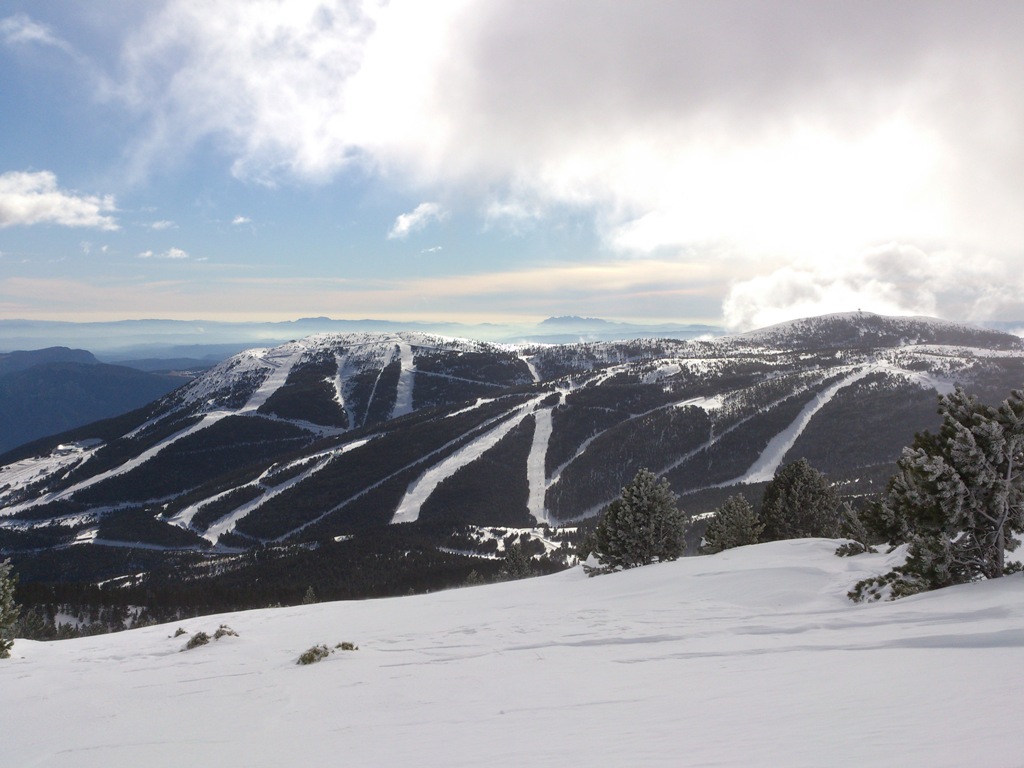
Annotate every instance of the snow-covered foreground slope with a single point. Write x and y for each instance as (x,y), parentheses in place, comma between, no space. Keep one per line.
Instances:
(751,657)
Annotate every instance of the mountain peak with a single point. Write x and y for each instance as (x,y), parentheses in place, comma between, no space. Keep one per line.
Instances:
(574,321)
(867,328)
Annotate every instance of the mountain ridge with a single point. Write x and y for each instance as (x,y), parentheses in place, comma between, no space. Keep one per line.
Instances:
(346,435)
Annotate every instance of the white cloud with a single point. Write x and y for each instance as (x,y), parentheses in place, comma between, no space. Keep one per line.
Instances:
(21,29)
(28,198)
(893,279)
(240,220)
(170,253)
(782,132)
(776,126)
(267,78)
(163,224)
(416,219)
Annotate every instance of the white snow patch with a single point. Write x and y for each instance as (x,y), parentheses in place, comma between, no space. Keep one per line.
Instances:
(88,536)
(626,664)
(406,379)
(714,403)
(339,381)
(535,464)
(479,401)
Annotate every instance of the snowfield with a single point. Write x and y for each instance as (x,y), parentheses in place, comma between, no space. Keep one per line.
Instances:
(753,657)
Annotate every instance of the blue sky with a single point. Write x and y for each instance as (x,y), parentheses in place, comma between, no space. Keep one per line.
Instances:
(731,162)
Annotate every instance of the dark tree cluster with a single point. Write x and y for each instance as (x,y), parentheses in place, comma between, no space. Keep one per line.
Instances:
(956,500)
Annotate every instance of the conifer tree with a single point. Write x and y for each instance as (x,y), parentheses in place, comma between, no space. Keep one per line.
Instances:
(852,527)
(799,503)
(517,564)
(957,497)
(735,524)
(641,526)
(8,609)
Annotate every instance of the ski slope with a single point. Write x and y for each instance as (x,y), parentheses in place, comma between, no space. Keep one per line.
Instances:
(408,509)
(771,457)
(753,657)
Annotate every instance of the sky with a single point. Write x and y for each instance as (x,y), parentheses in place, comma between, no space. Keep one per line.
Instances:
(736,162)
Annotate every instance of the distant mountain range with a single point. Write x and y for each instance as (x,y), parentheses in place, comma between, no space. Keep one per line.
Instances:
(200,340)
(52,390)
(361,453)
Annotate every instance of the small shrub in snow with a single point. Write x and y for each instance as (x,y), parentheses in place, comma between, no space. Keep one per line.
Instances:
(202,638)
(321,652)
(199,638)
(314,654)
(180,631)
(888,586)
(223,631)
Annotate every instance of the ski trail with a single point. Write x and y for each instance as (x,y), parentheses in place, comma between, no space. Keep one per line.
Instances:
(340,361)
(403,395)
(714,437)
(374,486)
(408,510)
(941,385)
(459,378)
(529,364)
(184,518)
(228,523)
(535,465)
(768,462)
(281,365)
(207,421)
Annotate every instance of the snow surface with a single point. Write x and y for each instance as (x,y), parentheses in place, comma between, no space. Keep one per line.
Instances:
(406,377)
(753,657)
(536,463)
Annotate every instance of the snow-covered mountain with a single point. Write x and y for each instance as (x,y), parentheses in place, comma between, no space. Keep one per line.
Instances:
(325,443)
(750,657)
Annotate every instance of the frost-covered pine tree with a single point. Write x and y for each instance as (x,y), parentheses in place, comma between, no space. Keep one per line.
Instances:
(957,497)
(642,526)
(799,503)
(8,609)
(735,524)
